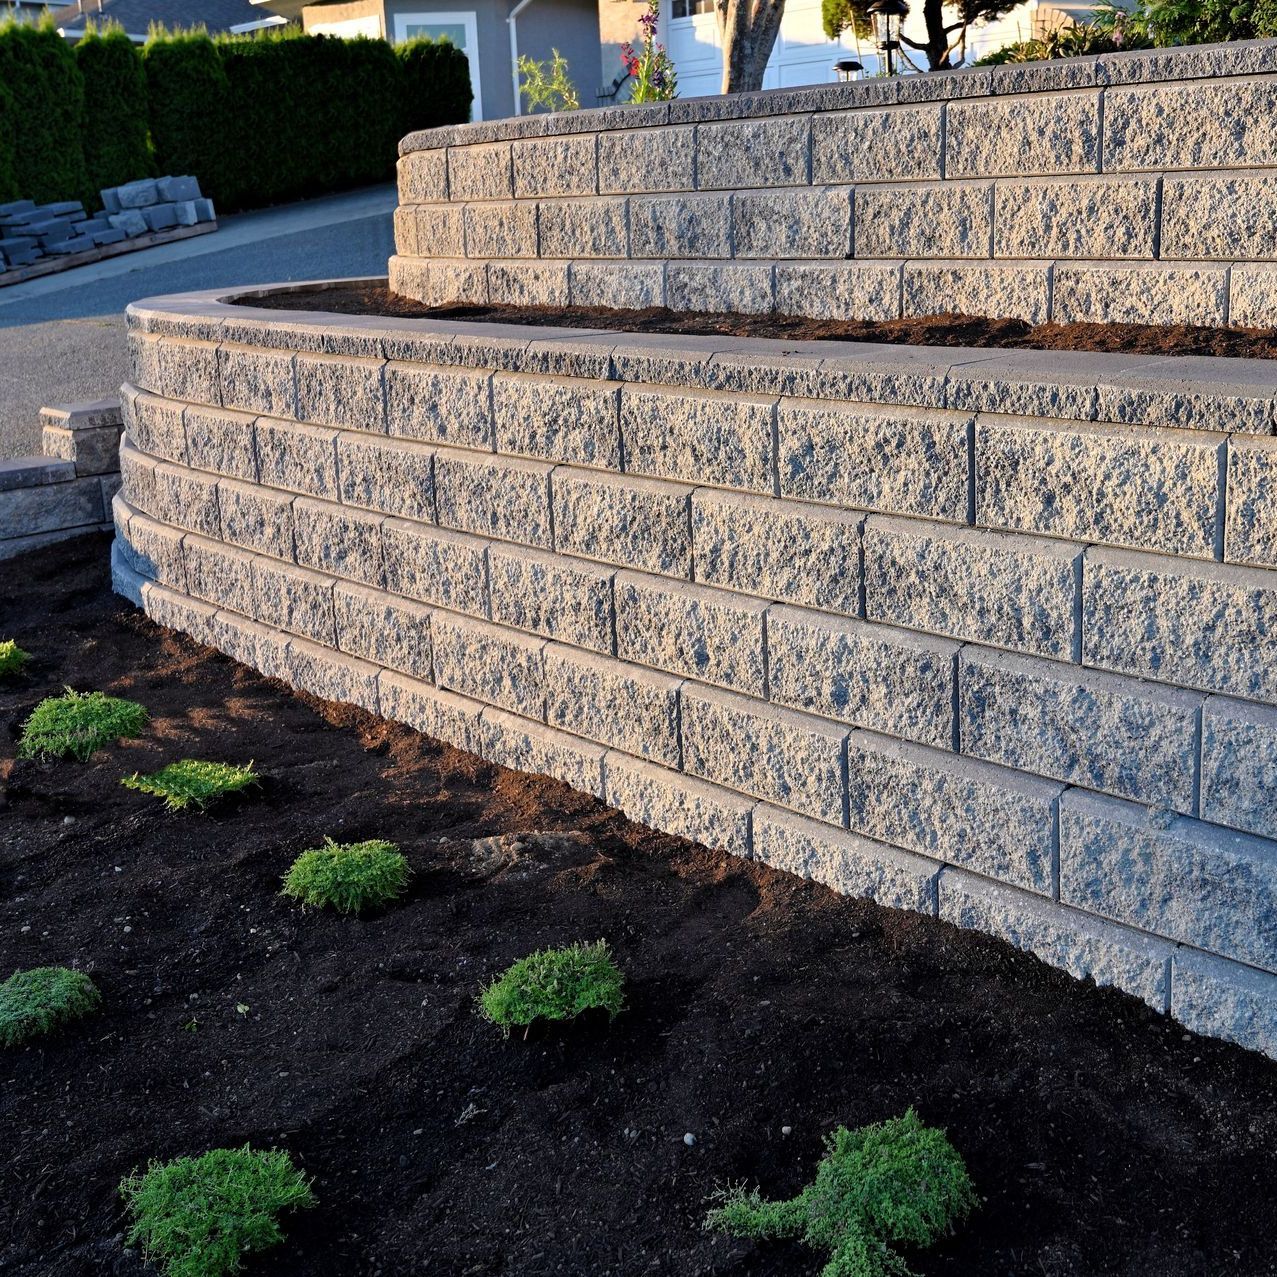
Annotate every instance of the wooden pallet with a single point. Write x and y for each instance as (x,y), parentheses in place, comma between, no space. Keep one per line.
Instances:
(53,265)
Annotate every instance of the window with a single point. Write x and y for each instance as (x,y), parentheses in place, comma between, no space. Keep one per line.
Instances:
(689,8)
(460,28)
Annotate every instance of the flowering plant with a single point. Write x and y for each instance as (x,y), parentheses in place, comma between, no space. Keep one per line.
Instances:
(652,69)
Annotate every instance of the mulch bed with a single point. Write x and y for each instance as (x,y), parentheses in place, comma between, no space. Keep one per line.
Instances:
(931,330)
(1103,1138)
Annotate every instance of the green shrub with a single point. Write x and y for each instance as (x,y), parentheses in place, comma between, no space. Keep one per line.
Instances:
(349,877)
(12,658)
(198,1216)
(435,84)
(8,135)
(116,144)
(36,1002)
(188,101)
(77,724)
(555,984)
(894,1183)
(193,783)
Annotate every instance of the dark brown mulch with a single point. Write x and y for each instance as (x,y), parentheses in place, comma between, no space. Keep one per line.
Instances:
(931,330)
(1104,1140)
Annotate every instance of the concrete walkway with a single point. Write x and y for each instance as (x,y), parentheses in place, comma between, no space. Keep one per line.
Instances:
(62,337)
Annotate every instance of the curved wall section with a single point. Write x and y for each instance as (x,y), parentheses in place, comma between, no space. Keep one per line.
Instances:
(1136,187)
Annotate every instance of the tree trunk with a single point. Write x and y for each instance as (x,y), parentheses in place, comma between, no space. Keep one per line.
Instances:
(747,30)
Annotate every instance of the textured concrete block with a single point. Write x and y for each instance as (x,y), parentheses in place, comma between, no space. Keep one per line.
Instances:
(1250,531)
(1022,384)
(1229,216)
(339,540)
(777,147)
(625,285)
(448,283)
(1098,217)
(155,552)
(443,405)
(557,418)
(1225,1000)
(647,160)
(898,460)
(765,752)
(1151,294)
(1174,393)
(491,664)
(847,863)
(221,441)
(386,475)
(1018,136)
(524,746)
(555,166)
(717,438)
(341,392)
(256,380)
(897,144)
(640,523)
(384,630)
(944,219)
(583,228)
(90,451)
(711,635)
(480,172)
(294,599)
(1133,739)
(494,496)
(441,715)
(220,574)
(1086,947)
(331,675)
(1252,299)
(256,518)
(1015,592)
(501,230)
(1204,625)
(1146,489)
(184,498)
(735,288)
(1178,878)
(604,700)
(672,803)
(999,291)
(792,223)
(185,370)
(250,643)
(423,176)
(848,290)
(137,475)
(528,283)
(989,819)
(1239,765)
(560,598)
(434,231)
(778,550)
(154,425)
(297,458)
(410,277)
(681,226)
(124,580)
(867,675)
(175,611)
(435,566)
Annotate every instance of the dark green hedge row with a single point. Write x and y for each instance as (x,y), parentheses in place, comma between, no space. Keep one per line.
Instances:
(258,119)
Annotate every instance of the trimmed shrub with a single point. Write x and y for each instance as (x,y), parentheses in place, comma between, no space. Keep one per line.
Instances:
(436,84)
(192,783)
(12,658)
(555,984)
(894,1183)
(116,144)
(198,1216)
(350,877)
(35,1002)
(8,135)
(77,724)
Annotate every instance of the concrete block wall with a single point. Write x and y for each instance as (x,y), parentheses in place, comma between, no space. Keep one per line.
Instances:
(1133,187)
(830,609)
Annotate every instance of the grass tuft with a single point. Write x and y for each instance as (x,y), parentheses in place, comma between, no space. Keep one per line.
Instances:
(40,1000)
(555,984)
(77,724)
(198,1216)
(894,1183)
(12,658)
(192,783)
(348,877)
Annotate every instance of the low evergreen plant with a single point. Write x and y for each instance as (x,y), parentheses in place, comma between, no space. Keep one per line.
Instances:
(12,658)
(40,1000)
(77,724)
(348,877)
(192,783)
(555,984)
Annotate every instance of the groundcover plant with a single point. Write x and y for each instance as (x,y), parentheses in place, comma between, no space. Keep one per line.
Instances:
(198,1216)
(12,658)
(889,1184)
(555,984)
(37,1001)
(348,877)
(192,783)
(77,724)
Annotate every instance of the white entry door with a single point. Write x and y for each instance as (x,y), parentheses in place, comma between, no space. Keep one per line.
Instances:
(461,28)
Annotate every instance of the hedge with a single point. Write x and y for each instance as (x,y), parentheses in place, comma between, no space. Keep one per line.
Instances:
(116,143)
(436,84)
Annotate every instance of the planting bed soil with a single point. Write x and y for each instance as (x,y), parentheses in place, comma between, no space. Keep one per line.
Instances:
(1102,1138)
(929,330)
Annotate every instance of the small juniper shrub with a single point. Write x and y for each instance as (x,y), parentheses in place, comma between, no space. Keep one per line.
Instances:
(12,658)
(42,999)
(555,984)
(77,724)
(192,783)
(348,877)
(198,1216)
(894,1183)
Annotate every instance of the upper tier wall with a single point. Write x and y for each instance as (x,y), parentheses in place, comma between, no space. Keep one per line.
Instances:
(1137,187)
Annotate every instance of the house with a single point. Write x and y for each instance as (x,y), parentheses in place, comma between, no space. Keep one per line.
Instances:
(491,33)
(137,16)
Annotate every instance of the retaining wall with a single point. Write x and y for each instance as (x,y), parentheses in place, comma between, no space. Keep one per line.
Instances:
(988,635)
(1132,187)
